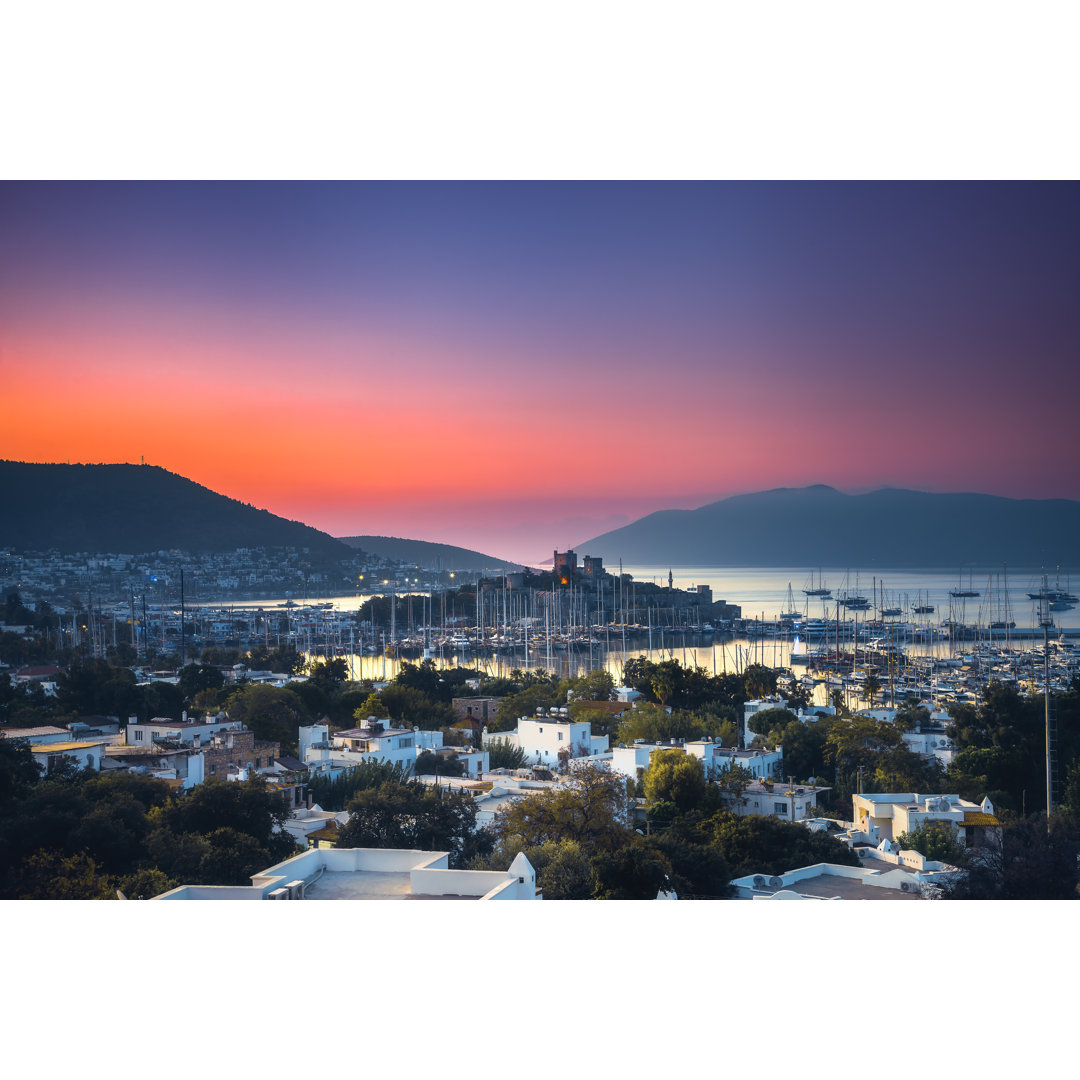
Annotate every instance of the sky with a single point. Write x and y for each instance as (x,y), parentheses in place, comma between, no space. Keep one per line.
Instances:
(518,367)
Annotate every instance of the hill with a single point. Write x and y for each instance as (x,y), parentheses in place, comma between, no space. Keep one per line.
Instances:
(423,553)
(137,508)
(820,526)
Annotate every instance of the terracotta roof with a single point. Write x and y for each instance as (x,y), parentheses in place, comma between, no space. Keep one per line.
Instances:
(613,708)
(977,817)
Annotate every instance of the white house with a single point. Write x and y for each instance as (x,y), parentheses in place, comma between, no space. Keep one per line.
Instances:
(372,874)
(37,736)
(932,743)
(544,738)
(158,760)
(306,820)
(886,816)
(830,881)
(323,752)
(86,755)
(190,732)
(628,759)
(789,802)
(764,764)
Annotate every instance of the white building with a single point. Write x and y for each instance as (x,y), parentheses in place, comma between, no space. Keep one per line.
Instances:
(764,764)
(886,816)
(372,874)
(552,740)
(303,821)
(930,744)
(323,752)
(86,755)
(190,732)
(789,802)
(475,762)
(37,736)
(830,881)
(161,761)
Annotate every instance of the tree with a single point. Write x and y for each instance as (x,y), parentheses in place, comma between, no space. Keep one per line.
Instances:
(771,724)
(503,754)
(538,695)
(859,742)
(871,687)
(95,687)
(18,769)
(273,713)
(429,763)
(334,793)
(284,659)
(51,875)
(759,681)
(407,705)
(195,678)
(804,748)
(733,780)
(410,815)
(676,777)
(563,869)
(146,884)
(332,671)
(934,840)
(596,686)
(698,870)
(654,723)
(371,706)
(636,870)
(232,857)
(249,807)
(593,806)
(1034,861)
(426,678)
(756,844)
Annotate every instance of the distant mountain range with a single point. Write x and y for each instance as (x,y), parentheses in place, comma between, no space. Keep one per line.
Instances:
(423,553)
(820,526)
(134,509)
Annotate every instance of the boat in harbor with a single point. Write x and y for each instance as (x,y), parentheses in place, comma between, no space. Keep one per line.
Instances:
(819,589)
(792,613)
(960,592)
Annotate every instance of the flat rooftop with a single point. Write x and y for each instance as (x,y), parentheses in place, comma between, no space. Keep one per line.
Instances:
(830,886)
(369,885)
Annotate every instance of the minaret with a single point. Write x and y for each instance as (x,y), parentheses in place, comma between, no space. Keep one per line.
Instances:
(670,580)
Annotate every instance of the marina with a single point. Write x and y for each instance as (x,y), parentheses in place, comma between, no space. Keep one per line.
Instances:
(905,635)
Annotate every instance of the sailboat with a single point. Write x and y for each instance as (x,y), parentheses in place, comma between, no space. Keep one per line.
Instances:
(854,602)
(792,612)
(960,591)
(1059,599)
(820,590)
(921,607)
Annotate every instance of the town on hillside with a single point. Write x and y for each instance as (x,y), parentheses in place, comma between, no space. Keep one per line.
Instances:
(183,759)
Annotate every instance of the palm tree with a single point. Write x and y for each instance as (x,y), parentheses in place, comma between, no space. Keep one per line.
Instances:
(871,686)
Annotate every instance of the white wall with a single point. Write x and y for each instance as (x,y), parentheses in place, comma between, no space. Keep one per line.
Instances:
(543,738)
